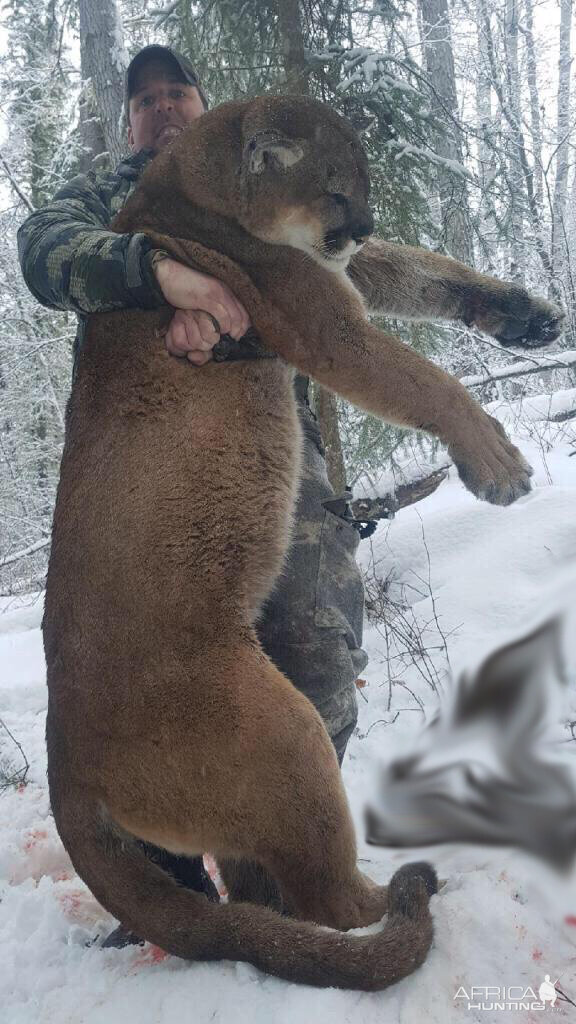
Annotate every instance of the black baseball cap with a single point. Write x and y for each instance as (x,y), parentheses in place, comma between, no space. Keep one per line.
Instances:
(181,65)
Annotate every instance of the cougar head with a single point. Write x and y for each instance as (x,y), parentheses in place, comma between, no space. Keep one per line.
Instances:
(304,179)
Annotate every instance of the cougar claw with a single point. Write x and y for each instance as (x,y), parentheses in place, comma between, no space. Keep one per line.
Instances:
(498,495)
(529,322)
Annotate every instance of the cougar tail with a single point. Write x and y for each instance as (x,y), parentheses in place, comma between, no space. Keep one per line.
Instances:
(186,924)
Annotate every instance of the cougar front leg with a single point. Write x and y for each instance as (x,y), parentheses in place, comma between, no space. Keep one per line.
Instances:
(377,372)
(411,283)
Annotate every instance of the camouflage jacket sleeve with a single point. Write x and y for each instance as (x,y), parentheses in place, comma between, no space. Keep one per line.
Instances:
(70,260)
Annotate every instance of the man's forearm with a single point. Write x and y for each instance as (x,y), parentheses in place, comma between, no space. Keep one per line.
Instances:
(71,260)
(87,270)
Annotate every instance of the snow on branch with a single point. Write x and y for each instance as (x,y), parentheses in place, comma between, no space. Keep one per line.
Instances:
(423,153)
(15,185)
(10,559)
(562,361)
(161,14)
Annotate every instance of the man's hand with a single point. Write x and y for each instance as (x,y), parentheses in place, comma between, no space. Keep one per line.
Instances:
(191,333)
(199,301)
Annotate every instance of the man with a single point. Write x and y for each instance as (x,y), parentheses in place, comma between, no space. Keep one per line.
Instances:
(312,625)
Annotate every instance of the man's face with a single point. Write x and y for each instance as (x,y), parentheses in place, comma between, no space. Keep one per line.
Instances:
(160,106)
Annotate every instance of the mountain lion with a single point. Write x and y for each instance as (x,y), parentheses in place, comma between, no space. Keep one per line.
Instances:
(166,721)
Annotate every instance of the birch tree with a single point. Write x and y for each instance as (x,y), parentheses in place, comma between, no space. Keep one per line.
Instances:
(559,238)
(515,143)
(534,94)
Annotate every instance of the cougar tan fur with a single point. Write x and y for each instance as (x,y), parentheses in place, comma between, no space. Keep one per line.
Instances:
(166,721)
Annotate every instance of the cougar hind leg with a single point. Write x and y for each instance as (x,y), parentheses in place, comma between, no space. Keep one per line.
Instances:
(248,882)
(260,784)
(298,842)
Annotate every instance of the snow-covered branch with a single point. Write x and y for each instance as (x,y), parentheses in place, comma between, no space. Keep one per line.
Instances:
(17,555)
(15,185)
(563,361)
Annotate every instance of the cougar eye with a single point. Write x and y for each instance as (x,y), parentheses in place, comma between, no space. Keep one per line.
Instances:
(338,197)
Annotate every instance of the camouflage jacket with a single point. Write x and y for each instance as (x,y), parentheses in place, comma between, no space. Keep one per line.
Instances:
(71,260)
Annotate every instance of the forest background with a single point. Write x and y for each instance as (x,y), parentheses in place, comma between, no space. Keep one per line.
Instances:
(466,109)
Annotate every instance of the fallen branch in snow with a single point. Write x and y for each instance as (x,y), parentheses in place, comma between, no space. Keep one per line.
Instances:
(561,417)
(409,494)
(563,361)
(17,777)
(384,506)
(10,559)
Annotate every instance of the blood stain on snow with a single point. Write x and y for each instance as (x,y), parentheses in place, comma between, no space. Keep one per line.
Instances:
(80,906)
(570,919)
(150,955)
(33,837)
(72,903)
(537,954)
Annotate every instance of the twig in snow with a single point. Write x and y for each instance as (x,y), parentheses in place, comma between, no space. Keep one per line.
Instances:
(17,778)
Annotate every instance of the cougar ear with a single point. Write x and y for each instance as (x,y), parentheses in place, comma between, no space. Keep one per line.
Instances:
(268,149)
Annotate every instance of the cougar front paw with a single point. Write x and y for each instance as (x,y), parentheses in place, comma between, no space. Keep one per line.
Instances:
(517,318)
(493,469)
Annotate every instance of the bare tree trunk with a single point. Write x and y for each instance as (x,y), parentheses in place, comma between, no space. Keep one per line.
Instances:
(295,70)
(570,266)
(296,81)
(535,119)
(515,141)
(559,253)
(91,134)
(439,61)
(486,171)
(103,61)
(327,413)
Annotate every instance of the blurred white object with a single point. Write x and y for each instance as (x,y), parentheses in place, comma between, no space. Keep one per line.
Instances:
(484,770)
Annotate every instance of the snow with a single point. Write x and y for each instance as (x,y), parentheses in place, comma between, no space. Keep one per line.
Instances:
(468,575)
(536,407)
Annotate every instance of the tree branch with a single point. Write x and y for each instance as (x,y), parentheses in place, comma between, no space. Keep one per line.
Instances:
(15,185)
(564,361)
(10,559)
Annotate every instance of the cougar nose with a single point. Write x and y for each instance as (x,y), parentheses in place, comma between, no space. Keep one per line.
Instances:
(363,228)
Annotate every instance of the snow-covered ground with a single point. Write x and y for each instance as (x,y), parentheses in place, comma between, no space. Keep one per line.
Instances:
(464,576)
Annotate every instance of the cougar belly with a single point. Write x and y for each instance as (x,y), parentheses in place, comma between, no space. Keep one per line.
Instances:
(176,492)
